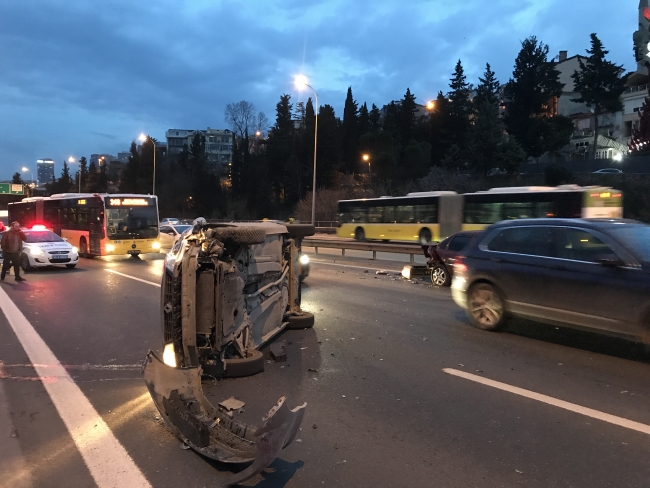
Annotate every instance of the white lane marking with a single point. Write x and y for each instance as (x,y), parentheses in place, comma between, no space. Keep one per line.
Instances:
(572,407)
(107,460)
(133,278)
(359,267)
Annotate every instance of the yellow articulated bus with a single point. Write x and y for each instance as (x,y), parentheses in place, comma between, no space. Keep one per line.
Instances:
(432,216)
(98,224)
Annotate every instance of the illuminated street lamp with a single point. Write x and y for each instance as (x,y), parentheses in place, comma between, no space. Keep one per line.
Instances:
(431,105)
(143,138)
(366,158)
(26,169)
(301,83)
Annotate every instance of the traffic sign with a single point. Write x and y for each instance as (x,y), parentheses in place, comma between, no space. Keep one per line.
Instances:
(12,189)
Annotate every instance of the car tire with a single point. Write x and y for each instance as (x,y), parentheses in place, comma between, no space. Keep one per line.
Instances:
(303,321)
(252,364)
(239,235)
(298,231)
(70,266)
(485,308)
(359,234)
(425,236)
(440,276)
(24,263)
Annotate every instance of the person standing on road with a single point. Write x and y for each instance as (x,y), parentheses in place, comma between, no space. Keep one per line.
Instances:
(12,248)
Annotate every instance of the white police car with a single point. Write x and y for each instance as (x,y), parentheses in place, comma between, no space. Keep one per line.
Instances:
(44,248)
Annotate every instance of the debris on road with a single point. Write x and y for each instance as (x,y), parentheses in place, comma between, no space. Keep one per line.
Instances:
(184,446)
(312,370)
(381,272)
(232,404)
(278,353)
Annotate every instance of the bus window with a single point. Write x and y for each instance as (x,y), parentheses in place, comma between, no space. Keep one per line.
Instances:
(545,209)
(389,214)
(375,214)
(426,214)
(518,210)
(405,214)
(482,213)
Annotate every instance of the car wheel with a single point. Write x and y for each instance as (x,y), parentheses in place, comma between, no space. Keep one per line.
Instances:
(83,247)
(440,276)
(24,263)
(359,234)
(239,235)
(303,321)
(425,236)
(252,364)
(485,307)
(70,266)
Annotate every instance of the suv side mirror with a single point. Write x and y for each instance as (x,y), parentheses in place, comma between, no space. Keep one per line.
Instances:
(610,260)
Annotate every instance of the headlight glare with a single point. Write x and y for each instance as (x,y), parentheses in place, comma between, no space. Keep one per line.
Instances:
(110,248)
(304,259)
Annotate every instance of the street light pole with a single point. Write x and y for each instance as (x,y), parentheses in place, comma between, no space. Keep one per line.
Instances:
(24,170)
(143,138)
(302,81)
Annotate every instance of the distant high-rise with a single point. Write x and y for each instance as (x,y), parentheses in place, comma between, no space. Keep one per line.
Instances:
(45,171)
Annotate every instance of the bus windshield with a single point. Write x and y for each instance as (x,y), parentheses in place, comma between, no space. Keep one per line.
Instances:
(132,222)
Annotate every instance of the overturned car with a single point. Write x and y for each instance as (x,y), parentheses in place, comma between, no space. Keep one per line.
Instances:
(227,289)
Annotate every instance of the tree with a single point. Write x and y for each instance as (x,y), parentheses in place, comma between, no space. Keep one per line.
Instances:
(534,84)
(460,105)
(488,144)
(241,117)
(65,180)
(17,178)
(92,184)
(439,129)
(640,142)
(599,83)
(406,118)
(83,173)
(374,116)
(349,133)
(364,120)
(488,88)
(129,181)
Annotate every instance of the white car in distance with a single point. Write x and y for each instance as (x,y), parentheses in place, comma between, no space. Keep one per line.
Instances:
(169,234)
(44,248)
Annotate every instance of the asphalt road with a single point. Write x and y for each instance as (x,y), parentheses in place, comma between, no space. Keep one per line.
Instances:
(400,396)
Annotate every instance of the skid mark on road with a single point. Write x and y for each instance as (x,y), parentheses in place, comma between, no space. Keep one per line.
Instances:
(572,407)
(133,278)
(107,460)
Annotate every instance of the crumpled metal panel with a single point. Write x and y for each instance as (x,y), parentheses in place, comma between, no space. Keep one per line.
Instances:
(209,430)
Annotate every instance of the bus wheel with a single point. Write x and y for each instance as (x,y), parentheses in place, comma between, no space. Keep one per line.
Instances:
(359,234)
(425,236)
(83,247)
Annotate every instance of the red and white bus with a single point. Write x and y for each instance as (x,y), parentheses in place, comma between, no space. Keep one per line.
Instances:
(98,224)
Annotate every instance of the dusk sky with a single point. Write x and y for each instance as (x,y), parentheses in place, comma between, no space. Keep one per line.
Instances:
(82,77)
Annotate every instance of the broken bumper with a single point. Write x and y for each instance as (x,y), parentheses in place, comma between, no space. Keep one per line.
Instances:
(209,430)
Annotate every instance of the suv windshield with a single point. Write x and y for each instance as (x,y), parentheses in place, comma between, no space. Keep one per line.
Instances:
(41,236)
(131,222)
(636,238)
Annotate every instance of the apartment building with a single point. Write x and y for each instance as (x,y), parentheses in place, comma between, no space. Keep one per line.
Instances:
(218,145)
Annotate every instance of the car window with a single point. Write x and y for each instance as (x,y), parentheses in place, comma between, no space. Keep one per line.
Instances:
(41,236)
(581,245)
(443,245)
(635,238)
(166,230)
(459,243)
(182,228)
(534,241)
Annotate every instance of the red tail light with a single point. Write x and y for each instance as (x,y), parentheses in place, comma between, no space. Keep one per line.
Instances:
(459,267)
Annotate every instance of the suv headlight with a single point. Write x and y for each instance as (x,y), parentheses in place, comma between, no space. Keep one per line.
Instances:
(304,259)
(36,251)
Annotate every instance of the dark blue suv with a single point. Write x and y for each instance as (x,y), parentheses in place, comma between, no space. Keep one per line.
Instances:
(585,273)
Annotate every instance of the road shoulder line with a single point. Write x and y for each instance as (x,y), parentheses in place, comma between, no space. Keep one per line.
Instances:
(572,407)
(107,460)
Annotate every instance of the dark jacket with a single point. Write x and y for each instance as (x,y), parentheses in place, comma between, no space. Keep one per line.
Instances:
(12,241)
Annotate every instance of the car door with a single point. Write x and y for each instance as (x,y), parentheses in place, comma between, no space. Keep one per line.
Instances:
(166,237)
(455,247)
(520,260)
(591,294)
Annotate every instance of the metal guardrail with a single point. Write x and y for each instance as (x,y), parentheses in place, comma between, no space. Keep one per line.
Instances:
(374,247)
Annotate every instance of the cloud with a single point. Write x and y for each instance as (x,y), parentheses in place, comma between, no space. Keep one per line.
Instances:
(81,77)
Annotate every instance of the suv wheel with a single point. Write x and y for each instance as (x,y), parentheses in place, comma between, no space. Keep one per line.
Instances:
(440,276)
(485,307)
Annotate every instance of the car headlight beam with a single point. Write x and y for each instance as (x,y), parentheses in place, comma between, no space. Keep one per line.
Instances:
(110,248)
(155,245)
(169,356)
(304,259)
